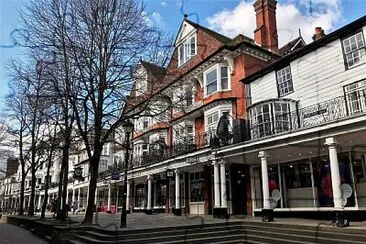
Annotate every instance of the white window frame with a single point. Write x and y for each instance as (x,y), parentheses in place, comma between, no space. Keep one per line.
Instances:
(186,48)
(220,110)
(356,90)
(283,82)
(358,51)
(217,67)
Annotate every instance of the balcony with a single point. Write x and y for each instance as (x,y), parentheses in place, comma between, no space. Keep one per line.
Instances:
(271,121)
(164,152)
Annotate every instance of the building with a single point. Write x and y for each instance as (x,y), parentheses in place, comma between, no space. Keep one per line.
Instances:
(241,126)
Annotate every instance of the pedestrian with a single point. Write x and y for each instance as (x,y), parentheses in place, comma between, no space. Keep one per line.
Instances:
(75,207)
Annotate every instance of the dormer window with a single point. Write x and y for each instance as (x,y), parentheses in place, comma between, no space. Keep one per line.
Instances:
(187,50)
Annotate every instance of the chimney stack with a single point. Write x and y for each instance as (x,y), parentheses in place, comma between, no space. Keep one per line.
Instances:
(319,33)
(266,32)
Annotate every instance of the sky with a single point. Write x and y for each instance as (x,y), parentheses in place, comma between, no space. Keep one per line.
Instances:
(229,17)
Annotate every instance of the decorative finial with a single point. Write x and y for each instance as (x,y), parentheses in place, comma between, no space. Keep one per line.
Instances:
(185,16)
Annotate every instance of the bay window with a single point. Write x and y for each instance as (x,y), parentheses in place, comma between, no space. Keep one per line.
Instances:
(269,118)
(216,79)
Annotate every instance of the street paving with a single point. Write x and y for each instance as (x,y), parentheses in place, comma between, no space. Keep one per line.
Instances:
(143,221)
(11,234)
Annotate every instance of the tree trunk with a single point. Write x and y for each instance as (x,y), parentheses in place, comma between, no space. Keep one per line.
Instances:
(33,190)
(94,165)
(44,205)
(21,200)
(59,193)
(65,162)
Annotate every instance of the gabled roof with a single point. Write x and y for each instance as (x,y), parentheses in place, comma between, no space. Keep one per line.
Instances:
(221,38)
(340,33)
(292,46)
(155,70)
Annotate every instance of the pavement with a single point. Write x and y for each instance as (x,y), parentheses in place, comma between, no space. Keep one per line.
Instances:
(11,234)
(143,221)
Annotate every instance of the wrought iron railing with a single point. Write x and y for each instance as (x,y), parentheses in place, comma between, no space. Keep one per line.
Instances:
(166,152)
(307,117)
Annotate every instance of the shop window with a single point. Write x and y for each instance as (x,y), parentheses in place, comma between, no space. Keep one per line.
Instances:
(140,196)
(196,187)
(297,175)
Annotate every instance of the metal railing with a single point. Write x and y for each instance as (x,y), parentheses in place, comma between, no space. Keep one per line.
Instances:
(166,152)
(307,117)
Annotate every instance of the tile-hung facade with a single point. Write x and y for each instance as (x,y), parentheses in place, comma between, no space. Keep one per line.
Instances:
(307,147)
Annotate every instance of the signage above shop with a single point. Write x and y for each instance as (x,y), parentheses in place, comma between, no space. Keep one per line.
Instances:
(115,175)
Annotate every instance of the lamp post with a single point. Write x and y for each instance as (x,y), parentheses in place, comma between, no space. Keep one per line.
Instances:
(128,128)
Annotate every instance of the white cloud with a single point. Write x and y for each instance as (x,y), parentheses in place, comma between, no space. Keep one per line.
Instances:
(290,17)
(163,3)
(157,20)
(154,19)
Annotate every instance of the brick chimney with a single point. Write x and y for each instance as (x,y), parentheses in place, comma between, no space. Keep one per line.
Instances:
(319,33)
(266,32)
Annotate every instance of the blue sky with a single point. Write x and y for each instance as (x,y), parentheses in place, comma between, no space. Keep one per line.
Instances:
(229,17)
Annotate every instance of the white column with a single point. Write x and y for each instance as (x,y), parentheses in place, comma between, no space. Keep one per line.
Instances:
(128,196)
(39,201)
(149,192)
(87,195)
(96,196)
(109,198)
(265,187)
(67,195)
(334,172)
(216,184)
(73,196)
(117,199)
(177,190)
(78,197)
(223,185)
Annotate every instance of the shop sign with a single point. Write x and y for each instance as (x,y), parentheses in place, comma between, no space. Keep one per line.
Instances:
(192,160)
(78,173)
(272,202)
(276,195)
(170,173)
(315,113)
(115,175)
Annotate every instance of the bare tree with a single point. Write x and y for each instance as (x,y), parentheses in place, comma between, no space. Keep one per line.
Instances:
(96,46)
(26,105)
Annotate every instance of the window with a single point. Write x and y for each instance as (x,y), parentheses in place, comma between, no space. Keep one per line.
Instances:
(145,123)
(356,97)
(354,50)
(216,79)
(282,117)
(196,183)
(212,120)
(187,50)
(188,98)
(284,81)
(211,82)
(268,118)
